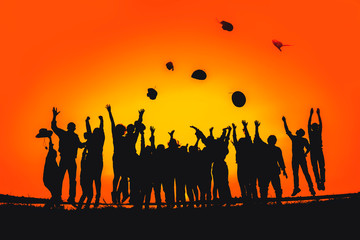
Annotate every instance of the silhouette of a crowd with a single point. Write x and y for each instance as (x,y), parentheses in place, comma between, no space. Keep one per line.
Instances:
(178,171)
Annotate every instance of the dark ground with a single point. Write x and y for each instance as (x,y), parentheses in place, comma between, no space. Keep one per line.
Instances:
(330,218)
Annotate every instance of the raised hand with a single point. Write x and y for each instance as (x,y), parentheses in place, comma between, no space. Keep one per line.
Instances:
(88,118)
(101,118)
(152,130)
(283,118)
(257,123)
(108,107)
(194,128)
(234,126)
(245,123)
(171,133)
(311,111)
(141,112)
(318,111)
(55,111)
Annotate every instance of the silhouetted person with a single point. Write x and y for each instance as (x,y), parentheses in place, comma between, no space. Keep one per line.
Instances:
(95,144)
(85,177)
(271,163)
(218,150)
(192,173)
(245,164)
(119,158)
(316,151)
(51,175)
(132,160)
(151,170)
(69,143)
(170,171)
(299,157)
(220,168)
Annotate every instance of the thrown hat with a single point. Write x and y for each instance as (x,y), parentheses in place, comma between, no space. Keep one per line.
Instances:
(170,66)
(43,133)
(152,93)
(238,99)
(227,26)
(199,74)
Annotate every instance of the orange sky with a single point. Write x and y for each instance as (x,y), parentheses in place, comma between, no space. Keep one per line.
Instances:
(81,55)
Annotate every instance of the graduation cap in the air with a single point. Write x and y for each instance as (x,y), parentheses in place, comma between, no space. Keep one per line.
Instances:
(152,93)
(170,66)
(238,99)
(279,44)
(199,74)
(227,26)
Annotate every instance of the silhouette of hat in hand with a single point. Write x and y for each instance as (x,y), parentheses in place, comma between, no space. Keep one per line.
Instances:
(44,133)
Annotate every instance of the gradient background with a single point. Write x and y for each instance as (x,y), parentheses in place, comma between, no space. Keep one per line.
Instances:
(81,55)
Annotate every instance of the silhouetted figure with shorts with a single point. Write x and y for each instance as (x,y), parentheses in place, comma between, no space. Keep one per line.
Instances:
(69,143)
(316,150)
(299,157)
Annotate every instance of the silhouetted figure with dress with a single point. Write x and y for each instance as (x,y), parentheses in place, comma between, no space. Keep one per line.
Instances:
(119,157)
(69,143)
(299,157)
(316,150)
(270,165)
(51,175)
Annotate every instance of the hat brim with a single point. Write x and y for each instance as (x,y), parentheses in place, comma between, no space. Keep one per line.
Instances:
(44,134)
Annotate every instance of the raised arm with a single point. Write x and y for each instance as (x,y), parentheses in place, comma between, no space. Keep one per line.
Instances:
(287,128)
(227,138)
(101,123)
(257,138)
(171,134)
(199,134)
(320,122)
(152,137)
(309,122)
(54,126)
(88,127)
(108,108)
(235,141)
(246,131)
(142,143)
(141,114)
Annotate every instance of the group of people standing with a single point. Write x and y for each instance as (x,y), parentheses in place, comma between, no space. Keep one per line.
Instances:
(174,168)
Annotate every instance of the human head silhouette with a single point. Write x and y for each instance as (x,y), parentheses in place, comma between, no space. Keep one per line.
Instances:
(173,143)
(160,147)
(97,133)
(120,129)
(272,140)
(300,132)
(71,127)
(315,127)
(130,128)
